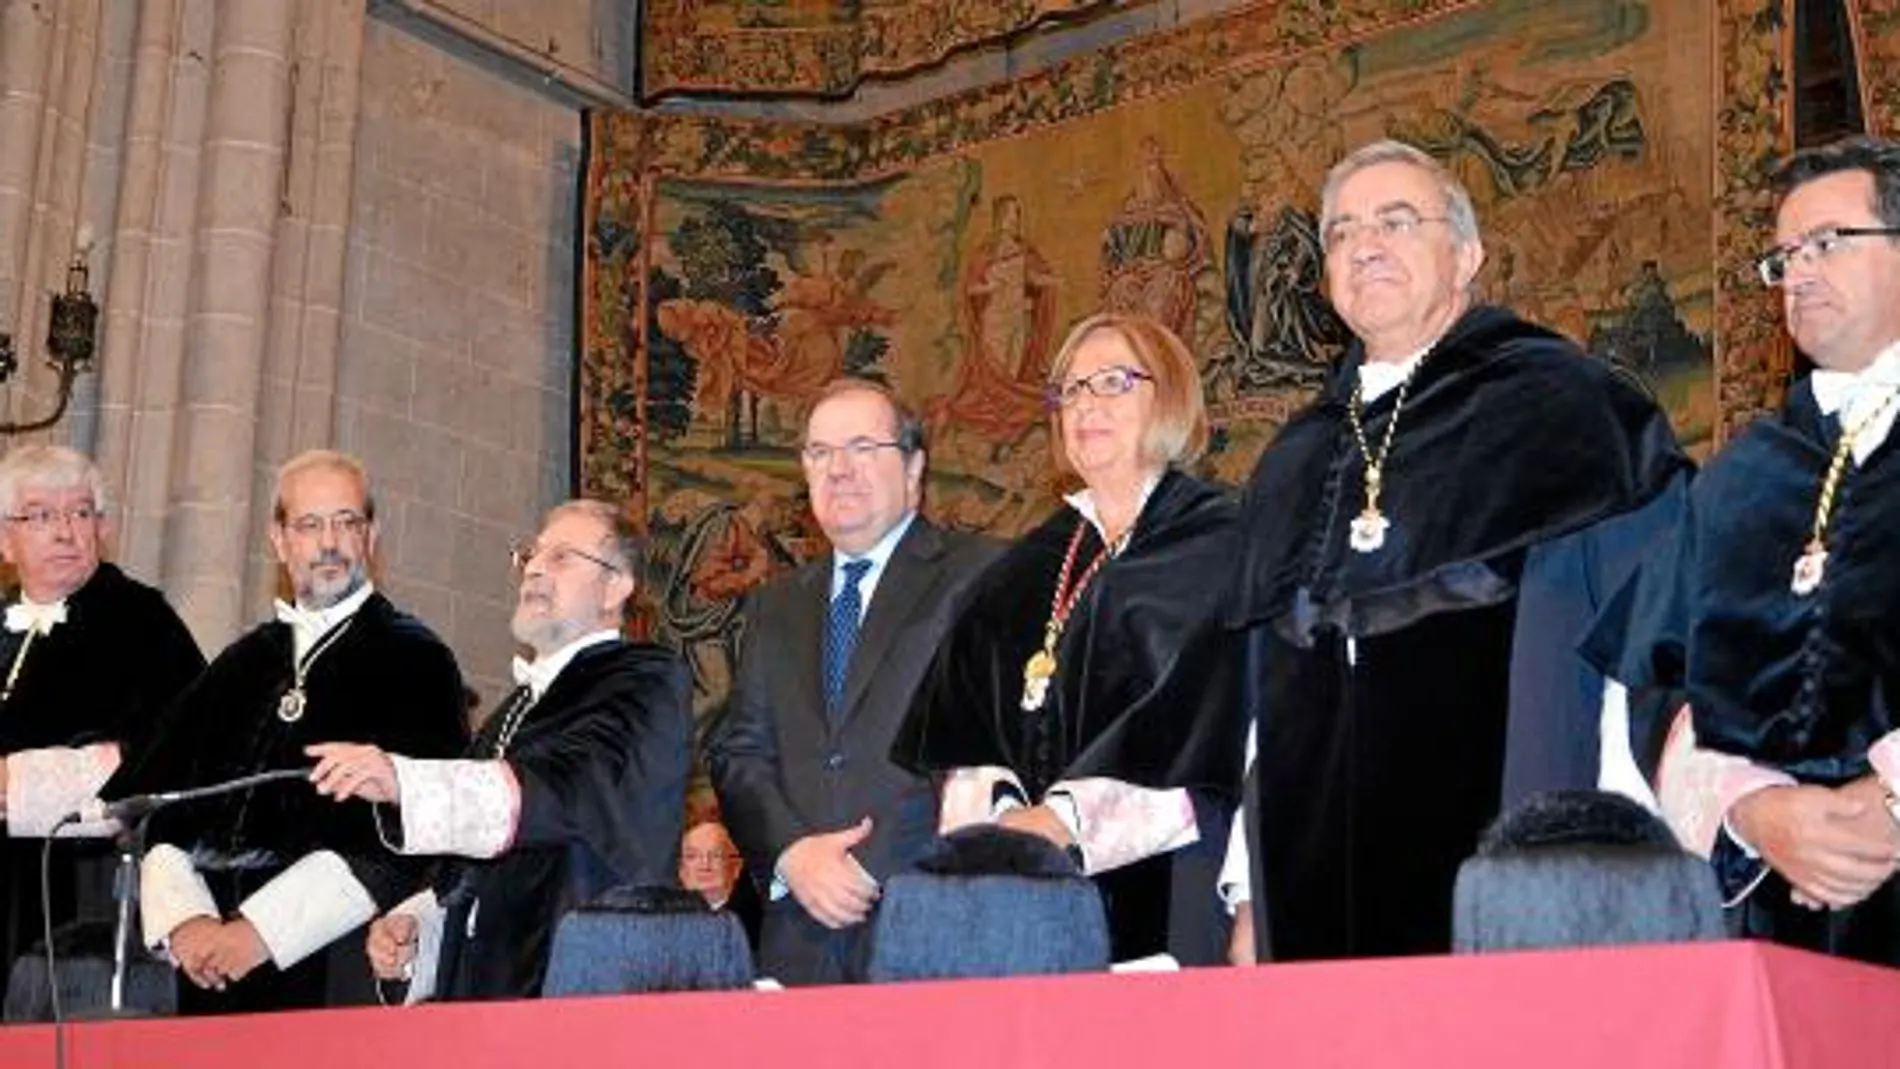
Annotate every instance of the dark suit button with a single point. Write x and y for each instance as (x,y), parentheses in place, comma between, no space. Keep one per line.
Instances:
(834,761)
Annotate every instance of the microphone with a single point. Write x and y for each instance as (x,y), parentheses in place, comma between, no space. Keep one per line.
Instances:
(139,806)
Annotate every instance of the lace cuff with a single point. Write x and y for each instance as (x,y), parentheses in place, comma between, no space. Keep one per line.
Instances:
(1119,823)
(467,808)
(46,785)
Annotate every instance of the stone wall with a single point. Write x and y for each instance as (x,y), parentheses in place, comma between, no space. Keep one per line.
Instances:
(454,369)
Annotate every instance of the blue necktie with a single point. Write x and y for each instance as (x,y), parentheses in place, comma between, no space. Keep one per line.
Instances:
(841,632)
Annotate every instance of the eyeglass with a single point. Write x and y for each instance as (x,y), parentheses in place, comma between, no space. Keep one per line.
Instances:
(694,857)
(857,450)
(1813,247)
(523,551)
(340,525)
(41,519)
(1108,382)
(1391,224)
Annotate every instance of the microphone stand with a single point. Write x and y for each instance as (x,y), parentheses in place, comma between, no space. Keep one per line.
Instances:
(130,843)
(133,815)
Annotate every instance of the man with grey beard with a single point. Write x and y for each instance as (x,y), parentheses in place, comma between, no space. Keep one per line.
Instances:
(574,785)
(251,893)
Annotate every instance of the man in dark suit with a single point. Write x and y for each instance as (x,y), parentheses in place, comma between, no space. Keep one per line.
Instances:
(831,657)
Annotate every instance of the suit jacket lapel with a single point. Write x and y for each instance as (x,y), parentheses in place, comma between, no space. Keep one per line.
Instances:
(908,576)
(808,645)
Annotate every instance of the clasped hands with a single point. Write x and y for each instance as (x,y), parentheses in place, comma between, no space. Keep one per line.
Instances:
(215,953)
(1834,845)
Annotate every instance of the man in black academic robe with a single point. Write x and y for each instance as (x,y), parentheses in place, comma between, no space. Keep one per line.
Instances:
(66,724)
(1791,659)
(1413,664)
(1149,695)
(251,892)
(575,785)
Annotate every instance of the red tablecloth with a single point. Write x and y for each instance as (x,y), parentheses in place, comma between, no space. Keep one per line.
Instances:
(1720,1004)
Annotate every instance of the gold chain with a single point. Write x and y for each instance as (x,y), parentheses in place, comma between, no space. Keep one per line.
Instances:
(1375,465)
(1824,508)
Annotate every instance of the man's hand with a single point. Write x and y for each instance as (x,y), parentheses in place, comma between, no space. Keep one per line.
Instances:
(1824,842)
(236,951)
(1038,820)
(353,770)
(192,944)
(1240,944)
(827,880)
(392,946)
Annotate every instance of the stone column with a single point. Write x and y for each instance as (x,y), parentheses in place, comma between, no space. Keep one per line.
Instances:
(241,187)
(143,333)
(297,407)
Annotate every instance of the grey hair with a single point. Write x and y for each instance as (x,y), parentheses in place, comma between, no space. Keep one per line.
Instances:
(327,460)
(625,542)
(1459,214)
(49,467)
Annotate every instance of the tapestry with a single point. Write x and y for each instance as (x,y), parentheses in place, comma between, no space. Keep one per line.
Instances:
(821,47)
(1875,26)
(732,267)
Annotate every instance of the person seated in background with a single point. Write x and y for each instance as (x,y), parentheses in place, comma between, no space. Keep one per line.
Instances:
(710,864)
(1091,694)
(576,784)
(66,720)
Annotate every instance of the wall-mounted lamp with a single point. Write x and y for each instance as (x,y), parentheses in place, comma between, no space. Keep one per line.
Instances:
(71,335)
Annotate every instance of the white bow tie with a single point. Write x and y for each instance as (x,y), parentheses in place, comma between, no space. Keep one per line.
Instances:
(307,625)
(526,675)
(1835,390)
(25,615)
(301,618)
(1862,401)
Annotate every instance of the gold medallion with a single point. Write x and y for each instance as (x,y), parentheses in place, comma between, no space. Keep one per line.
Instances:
(1036,675)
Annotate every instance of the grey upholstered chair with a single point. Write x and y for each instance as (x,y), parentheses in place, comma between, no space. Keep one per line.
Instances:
(1582,868)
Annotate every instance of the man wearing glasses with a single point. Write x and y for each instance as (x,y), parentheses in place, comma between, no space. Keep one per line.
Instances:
(66,722)
(574,785)
(1783,595)
(831,657)
(1424,546)
(251,893)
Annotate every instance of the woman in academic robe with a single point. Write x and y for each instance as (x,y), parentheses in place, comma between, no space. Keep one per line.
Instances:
(1088,693)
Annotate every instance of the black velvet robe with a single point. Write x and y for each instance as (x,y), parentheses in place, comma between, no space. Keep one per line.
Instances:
(1802,684)
(1147,691)
(102,676)
(602,760)
(1403,696)
(387,680)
